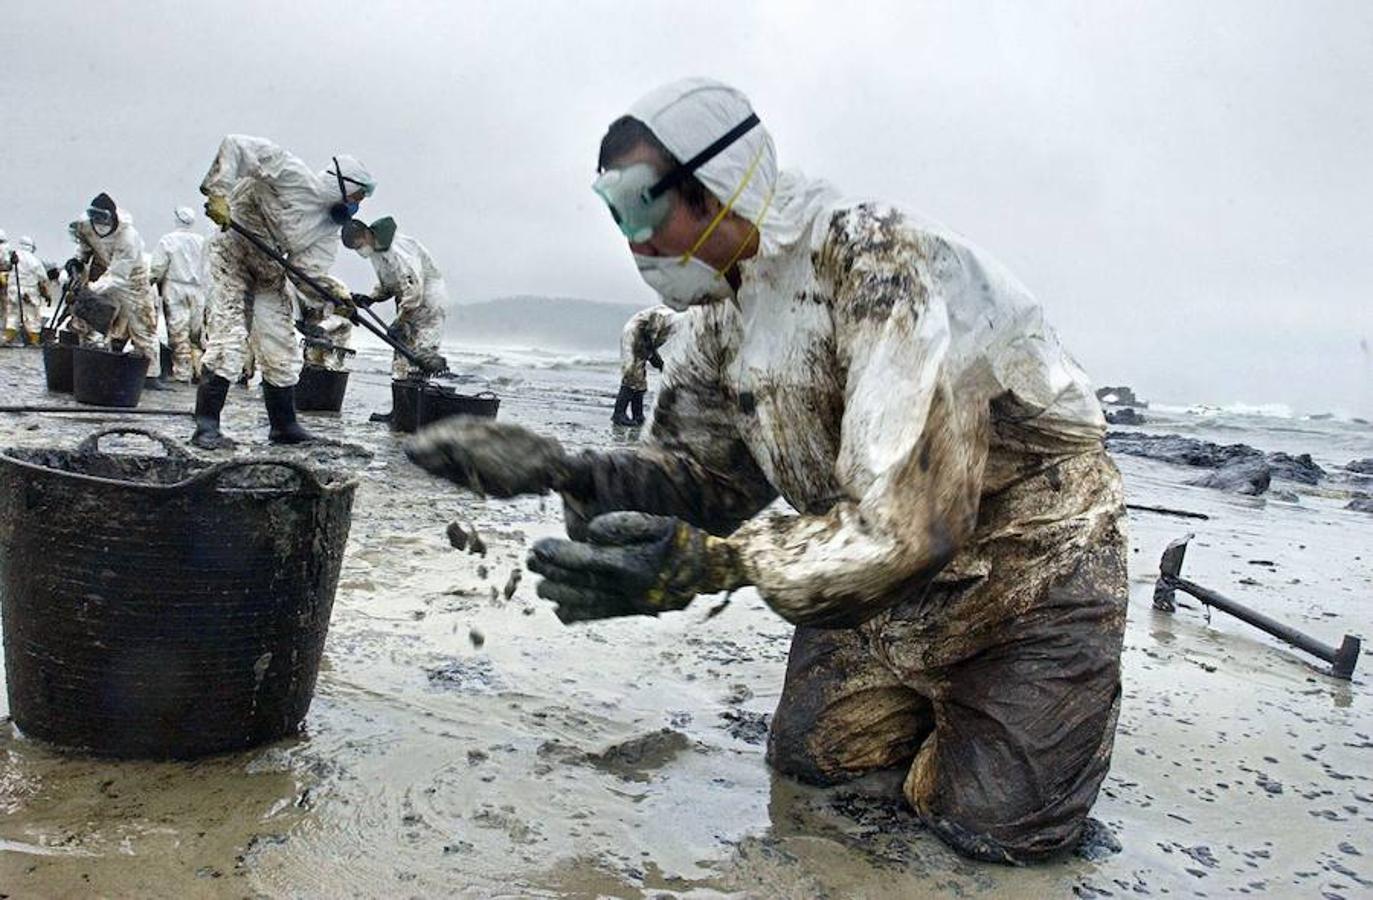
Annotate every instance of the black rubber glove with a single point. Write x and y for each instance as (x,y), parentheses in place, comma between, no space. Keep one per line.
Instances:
(656,361)
(432,363)
(494,458)
(633,564)
(363,300)
(310,329)
(74,267)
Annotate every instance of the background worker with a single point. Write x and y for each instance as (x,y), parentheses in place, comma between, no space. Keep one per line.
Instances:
(277,197)
(110,250)
(28,288)
(643,335)
(177,263)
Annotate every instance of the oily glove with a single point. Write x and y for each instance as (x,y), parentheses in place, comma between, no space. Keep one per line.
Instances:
(363,300)
(217,210)
(656,361)
(494,458)
(632,564)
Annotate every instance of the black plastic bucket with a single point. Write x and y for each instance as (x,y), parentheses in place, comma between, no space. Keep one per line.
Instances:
(57,367)
(105,378)
(415,404)
(320,389)
(163,606)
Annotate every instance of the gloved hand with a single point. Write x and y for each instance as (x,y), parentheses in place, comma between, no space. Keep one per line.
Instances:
(494,458)
(396,331)
(633,564)
(310,329)
(217,210)
(433,363)
(363,300)
(74,267)
(656,361)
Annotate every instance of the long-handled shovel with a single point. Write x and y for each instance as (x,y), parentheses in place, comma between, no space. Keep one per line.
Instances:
(430,362)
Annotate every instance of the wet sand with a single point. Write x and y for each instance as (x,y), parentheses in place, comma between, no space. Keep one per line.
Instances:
(464,744)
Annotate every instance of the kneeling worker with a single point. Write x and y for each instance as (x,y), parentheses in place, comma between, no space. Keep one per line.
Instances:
(956,563)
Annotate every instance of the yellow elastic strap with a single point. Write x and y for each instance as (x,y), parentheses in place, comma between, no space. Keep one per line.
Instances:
(729,204)
(757,229)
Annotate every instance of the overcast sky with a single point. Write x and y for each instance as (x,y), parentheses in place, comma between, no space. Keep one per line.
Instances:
(1188,187)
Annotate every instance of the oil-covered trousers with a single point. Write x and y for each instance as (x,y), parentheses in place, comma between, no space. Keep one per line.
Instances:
(135,318)
(999,685)
(180,305)
(238,271)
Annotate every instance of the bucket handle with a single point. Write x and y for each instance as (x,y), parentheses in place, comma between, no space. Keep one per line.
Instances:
(309,481)
(174,450)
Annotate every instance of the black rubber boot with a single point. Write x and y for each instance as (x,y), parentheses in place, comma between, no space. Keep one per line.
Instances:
(636,407)
(618,417)
(155,384)
(281,412)
(209,402)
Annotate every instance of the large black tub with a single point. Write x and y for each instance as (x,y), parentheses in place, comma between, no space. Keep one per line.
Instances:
(57,366)
(320,389)
(106,378)
(415,404)
(163,606)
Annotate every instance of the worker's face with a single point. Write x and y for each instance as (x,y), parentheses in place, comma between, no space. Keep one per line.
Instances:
(682,226)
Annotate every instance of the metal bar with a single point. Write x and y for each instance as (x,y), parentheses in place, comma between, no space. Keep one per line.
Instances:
(1258,620)
(324,293)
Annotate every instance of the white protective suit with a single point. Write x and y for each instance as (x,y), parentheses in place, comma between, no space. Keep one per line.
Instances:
(124,278)
(177,263)
(5,283)
(956,567)
(279,198)
(29,281)
(643,335)
(407,271)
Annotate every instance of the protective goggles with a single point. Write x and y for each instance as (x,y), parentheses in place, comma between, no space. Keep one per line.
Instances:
(99,216)
(637,197)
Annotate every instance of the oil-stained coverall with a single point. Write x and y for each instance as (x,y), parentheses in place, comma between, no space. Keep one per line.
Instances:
(27,280)
(640,340)
(406,271)
(177,263)
(124,279)
(953,554)
(279,198)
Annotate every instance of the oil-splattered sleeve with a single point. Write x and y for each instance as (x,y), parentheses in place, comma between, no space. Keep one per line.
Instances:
(694,464)
(911,453)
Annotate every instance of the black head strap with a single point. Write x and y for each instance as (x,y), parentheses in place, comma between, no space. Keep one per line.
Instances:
(679,174)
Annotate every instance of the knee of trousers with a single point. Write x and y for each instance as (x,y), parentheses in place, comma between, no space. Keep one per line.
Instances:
(1025,827)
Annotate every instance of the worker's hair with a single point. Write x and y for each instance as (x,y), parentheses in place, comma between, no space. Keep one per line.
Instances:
(625,134)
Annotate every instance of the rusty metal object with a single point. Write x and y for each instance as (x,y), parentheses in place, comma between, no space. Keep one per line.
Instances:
(1342,659)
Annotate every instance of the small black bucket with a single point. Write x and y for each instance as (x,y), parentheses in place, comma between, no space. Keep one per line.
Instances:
(57,367)
(415,404)
(165,607)
(320,389)
(105,378)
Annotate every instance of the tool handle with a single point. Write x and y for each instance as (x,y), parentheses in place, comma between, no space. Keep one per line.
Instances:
(323,292)
(309,480)
(92,443)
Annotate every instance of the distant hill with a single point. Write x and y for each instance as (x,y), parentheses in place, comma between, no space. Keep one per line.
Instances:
(554,323)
